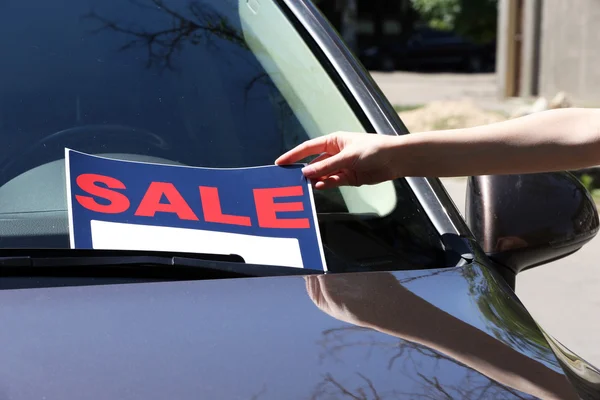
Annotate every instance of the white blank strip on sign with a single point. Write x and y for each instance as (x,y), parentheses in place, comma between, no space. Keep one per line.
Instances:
(254,249)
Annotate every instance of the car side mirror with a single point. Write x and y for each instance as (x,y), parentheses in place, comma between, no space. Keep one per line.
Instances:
(522,221)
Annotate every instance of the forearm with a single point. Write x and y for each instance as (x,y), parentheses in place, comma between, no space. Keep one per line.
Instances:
(565,139)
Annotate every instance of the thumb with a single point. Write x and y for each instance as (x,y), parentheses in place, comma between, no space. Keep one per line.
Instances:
(326,167)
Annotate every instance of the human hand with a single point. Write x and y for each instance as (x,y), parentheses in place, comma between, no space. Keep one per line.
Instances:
(346,158)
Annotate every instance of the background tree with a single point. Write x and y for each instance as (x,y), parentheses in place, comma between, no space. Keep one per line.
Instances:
(475,19)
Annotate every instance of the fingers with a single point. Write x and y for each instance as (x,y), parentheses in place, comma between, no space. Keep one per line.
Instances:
(306,149)
(325,167)
(322,157)
(322,144)
(327,170)
(333,181)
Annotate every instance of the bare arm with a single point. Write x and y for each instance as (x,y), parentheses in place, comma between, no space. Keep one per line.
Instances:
(554,140)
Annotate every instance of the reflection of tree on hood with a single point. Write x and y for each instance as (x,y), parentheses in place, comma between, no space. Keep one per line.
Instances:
(378,301)
(505,317)
(202,24)
(409,357)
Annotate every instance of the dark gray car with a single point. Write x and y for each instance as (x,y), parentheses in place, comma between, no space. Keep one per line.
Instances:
(418,302)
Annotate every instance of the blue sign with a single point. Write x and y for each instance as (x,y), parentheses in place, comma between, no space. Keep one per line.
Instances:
(264,214)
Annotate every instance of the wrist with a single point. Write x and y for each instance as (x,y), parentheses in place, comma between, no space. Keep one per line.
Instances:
(404,155)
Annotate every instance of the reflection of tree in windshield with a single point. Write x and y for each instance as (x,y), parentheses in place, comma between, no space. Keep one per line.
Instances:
(198,24)
(201,26)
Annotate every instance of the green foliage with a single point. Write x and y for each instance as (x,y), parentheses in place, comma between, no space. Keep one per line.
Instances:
(587,181)
(591,185)
(475,19)
(506,317)
(440,14)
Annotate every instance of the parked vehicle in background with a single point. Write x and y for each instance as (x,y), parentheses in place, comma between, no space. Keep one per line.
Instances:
(431,49)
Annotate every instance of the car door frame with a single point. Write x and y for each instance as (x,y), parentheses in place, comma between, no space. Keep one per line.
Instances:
(430,192)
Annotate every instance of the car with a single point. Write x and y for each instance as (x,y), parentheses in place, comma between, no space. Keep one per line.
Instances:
(427,48)
(417,302)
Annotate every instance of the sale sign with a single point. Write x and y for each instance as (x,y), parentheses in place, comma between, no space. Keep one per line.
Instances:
(264,214)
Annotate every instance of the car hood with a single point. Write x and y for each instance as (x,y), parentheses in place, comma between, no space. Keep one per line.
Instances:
(451,333)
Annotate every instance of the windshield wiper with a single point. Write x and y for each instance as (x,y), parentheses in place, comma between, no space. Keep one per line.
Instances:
(120,263)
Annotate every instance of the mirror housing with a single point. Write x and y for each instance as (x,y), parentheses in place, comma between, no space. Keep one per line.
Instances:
(522,221)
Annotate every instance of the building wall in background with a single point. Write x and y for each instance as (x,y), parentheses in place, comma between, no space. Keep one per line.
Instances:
(549,46)
(570,49)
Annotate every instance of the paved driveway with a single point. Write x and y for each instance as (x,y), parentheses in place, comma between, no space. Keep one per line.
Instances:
(420,88)
(411,88)
(563,296)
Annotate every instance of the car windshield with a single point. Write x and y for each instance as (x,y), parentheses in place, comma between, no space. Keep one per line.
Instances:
(212,83)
